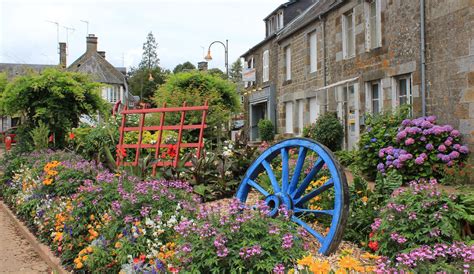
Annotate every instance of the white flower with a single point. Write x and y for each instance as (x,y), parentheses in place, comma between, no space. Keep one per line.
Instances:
(228,173)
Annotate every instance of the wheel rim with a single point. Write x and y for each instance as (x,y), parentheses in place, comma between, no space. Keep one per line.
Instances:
(292,190)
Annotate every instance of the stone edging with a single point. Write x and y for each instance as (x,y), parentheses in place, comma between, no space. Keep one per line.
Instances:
(43,251)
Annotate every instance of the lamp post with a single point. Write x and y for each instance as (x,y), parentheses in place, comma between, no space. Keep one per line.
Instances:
(208,57)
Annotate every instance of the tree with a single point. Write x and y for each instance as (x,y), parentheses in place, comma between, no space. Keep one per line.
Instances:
(56,98)
(184,67)
(235,73)
(195,87)
(142,85)
(145,79)
(217,72)
(150,58)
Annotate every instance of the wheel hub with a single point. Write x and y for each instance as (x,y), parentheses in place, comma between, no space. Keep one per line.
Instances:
(274,202)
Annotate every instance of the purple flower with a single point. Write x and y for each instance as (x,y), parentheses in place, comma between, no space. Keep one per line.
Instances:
(431,119)
(406,122)
(401,135)
(373,140)
(464,150)
(409,141)
(287,241)
(419,160)
(441,148)
(429,146)
(454,155)
(279,269)
(455,133)
(448,143)
(380,167)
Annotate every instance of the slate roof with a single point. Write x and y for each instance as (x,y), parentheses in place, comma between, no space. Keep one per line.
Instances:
(99,68)
(14,70)
(318,9)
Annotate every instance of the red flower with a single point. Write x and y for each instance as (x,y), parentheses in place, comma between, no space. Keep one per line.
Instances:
(371,234)
(142,257)
(71,136)
(171,151)
(51,138)
(136,260)
(374,246)
(121,152)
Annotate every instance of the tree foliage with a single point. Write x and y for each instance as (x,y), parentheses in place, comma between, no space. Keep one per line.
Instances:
(150,58)
(186,66)
(142,85)
(235,73)
(195,88)
(56,98)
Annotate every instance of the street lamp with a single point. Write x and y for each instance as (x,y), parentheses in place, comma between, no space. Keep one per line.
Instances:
(208,57)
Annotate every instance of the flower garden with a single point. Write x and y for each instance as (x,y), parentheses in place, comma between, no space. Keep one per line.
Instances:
(405,212)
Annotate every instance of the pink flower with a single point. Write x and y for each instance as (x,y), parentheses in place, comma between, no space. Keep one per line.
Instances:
(442,148)
(409,141)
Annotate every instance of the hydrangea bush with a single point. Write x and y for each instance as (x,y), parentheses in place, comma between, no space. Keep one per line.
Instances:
(415,216)
(422,149)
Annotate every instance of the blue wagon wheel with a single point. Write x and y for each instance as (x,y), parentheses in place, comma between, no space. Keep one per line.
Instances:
(294,191)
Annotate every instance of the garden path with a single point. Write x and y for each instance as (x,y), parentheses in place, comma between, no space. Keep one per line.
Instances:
(17,254)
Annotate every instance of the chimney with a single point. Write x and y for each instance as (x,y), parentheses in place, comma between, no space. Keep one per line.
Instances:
(202,66)
(91,43)
(101,53)
(62,54)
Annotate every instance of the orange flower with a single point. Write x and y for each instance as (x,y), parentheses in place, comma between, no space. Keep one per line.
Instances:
(71,135)
(48,181)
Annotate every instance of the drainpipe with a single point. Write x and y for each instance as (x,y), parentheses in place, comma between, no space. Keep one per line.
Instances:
(324,61)
(422,57)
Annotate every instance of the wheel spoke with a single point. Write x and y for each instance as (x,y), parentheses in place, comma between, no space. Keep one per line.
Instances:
(327,185)
(285,168)
(258,187)
(308,228)
(272,177)
(317,212)
(299,166)
(314,170)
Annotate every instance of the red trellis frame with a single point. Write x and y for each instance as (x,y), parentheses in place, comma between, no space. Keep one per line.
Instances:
(159,162)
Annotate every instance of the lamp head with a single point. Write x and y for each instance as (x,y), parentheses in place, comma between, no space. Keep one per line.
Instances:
(208,57)
(150,77)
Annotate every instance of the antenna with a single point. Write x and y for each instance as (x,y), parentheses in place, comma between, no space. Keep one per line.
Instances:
(123,59)
(57,32)
(87,23)
(67,36)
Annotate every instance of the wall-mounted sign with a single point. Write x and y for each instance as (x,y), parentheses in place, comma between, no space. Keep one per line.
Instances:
(248,75)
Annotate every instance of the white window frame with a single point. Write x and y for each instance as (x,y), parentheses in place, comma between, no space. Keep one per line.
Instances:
(300,106)
(346,18)
(280,19)
(287,63)
(373,24)
(369,96)
(289,117)
(313,51)
(266,66)
(314,109)
(112,94)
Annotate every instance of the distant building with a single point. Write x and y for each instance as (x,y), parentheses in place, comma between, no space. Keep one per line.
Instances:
(93,62)
(354,57)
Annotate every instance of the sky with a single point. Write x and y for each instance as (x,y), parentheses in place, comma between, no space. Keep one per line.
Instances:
(184,29)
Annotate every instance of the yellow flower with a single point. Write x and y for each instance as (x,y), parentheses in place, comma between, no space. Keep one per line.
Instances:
(84,258)
(89,249)
(320,267)
(306,260)
(369,256)
(364,199)
(48,181)
(79,265)
(118,245)
(348,262)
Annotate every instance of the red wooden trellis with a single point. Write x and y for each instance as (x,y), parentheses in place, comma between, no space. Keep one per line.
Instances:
(160,162)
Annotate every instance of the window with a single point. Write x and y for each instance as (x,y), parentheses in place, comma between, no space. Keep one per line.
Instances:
(404,90)
(112,94)
(313,109)
(280,19)
(373,25)
(348,41)
(289,117)
(288,63)
(300,116)
(375,97)
(313,52)
(266,66)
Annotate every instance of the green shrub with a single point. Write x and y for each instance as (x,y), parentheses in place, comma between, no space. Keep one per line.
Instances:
(266,130)
(40,136)
(327,130)
(415,216)
(380,132)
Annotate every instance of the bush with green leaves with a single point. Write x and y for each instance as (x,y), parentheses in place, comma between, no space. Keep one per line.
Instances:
(40,136)
(266,130)
(327,130)
(421,214)
(239,239)
(56,97)
(380,131)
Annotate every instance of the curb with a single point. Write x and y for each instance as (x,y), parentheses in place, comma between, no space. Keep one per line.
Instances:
(43,251)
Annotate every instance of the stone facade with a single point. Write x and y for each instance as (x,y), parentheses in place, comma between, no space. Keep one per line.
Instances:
(382,71)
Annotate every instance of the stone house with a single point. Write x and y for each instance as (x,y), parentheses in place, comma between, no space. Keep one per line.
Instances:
(93,62)
(261,63)
(365,56)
